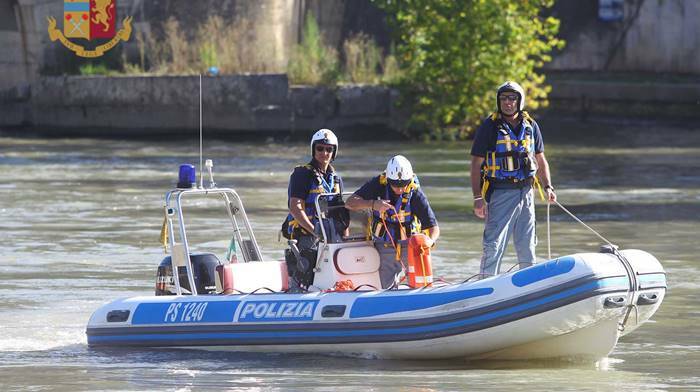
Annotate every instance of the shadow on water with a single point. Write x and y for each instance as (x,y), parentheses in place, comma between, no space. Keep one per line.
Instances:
(311,362)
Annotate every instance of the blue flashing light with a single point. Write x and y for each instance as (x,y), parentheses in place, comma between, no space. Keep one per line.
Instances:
(187,177)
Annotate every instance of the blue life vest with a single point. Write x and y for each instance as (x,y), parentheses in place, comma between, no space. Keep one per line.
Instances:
(317,186)
(401,221)
(513,160)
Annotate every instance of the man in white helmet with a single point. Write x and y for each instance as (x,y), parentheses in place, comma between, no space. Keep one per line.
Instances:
(399,209)
(507,162)
(305,184)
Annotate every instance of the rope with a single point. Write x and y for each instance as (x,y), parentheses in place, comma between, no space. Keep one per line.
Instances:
(577,220)
(388,232)
(629,270)
(549,236)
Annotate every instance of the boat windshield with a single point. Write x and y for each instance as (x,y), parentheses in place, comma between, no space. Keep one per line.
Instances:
(340,224)
(215,223)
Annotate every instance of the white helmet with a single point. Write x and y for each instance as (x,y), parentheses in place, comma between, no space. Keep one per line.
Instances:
(399,171)
(324,136)
(514,88)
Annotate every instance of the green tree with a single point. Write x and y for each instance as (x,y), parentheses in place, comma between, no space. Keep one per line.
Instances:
(454,54)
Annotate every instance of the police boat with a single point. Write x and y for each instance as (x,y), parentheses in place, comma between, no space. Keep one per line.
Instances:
(575,306)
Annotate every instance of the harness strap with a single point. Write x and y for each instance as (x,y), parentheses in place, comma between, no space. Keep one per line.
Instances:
(536,184)
(402,230)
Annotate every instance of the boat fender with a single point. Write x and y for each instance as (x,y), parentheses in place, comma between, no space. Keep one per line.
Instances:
(420,270)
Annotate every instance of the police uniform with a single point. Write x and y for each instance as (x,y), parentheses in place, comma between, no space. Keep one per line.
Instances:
(412,215)
(307,182)
(508,177)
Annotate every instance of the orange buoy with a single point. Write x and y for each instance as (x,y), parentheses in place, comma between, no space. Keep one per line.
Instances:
(420,271)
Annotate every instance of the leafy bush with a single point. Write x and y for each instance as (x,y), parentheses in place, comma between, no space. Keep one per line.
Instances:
(455,53)
(313,62)
(95,69)
(362,59)
(214,43)
(391,71)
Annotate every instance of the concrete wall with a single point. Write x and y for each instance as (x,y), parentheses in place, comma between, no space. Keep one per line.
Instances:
(627,101)
(18,60)
(654,36)
(164,105)
(148,106)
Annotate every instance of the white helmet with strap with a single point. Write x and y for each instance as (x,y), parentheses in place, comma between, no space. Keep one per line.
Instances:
(324,136)
(513,87)
(399,171)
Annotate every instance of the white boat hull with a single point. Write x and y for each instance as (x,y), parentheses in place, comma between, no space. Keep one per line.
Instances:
(576,306)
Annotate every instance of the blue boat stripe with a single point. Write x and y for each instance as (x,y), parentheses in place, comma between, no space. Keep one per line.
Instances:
(543,271)
(355,324)
(379,305)
(327,337)
(76,7)
(351,333)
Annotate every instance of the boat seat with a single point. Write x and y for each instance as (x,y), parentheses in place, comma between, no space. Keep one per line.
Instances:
(236,278)
(360,264)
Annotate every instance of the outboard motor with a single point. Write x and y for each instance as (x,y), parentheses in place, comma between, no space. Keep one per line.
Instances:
(203,267)
(300,266)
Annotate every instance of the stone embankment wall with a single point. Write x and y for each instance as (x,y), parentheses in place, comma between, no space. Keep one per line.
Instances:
(652,37)
(625,100)
(149,106)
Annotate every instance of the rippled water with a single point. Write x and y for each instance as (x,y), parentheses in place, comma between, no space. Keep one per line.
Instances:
(81,218)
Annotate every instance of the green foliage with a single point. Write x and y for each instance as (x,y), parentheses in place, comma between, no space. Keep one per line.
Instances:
(455,53)
(362,59)
(312,61)
(233,47)
(95,69)
(391,70)
(207,55)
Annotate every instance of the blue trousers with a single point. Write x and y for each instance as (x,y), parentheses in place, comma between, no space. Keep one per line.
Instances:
(510,212)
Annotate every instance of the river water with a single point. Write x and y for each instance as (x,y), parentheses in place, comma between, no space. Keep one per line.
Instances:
(80,227)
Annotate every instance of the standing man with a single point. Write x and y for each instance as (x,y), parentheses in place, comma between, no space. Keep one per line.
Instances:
(507,161)
(399,209)
(306,183)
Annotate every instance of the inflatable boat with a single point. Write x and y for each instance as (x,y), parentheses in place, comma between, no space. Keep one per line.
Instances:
(576,306)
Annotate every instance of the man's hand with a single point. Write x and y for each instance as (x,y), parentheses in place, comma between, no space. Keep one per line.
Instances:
(381,205)
(480,208)
(551,196)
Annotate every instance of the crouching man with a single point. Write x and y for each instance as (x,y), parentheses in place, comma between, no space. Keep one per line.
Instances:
(399,209)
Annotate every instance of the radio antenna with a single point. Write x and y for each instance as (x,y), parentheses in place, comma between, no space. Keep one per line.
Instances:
(201,167)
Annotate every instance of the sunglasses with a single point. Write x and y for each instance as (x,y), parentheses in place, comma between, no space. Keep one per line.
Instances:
(511,98)
(325,149)
(399,183)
